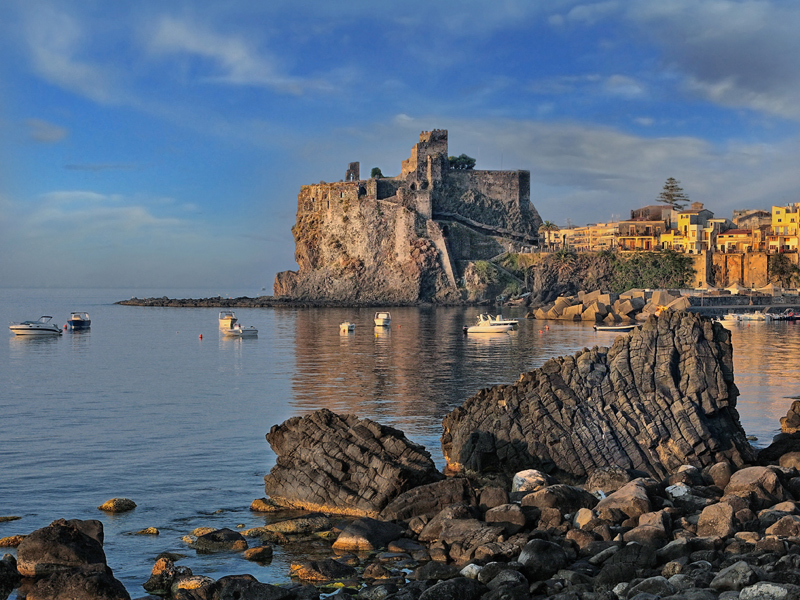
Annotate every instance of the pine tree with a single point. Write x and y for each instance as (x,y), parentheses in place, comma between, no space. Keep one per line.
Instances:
(673,194)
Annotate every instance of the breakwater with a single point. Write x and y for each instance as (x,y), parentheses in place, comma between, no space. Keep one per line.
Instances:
(259,302)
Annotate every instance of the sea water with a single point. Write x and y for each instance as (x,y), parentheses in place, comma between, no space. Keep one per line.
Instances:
(143,407)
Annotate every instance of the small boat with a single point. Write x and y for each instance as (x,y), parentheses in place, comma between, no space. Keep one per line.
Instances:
(731,317)
(41,327)
(615,328)
(756,316)
(227,319)
(238,331)
(79,321)
(347,327)
(383,319)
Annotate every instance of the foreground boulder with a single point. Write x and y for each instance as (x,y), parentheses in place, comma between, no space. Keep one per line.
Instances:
(62,546)
(343,464)
(659,398)
(66,560)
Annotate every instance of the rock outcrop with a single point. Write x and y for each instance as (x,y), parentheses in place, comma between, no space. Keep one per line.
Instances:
(343,464)
(659,398)
(406,239)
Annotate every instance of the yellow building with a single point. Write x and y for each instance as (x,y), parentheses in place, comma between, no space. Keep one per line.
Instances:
(696,231)
(639,235)
(738,240)
(785,220)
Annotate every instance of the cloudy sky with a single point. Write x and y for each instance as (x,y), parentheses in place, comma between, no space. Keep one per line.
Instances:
(162,144)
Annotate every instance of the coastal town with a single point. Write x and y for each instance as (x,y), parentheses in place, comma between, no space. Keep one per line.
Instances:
(693,230)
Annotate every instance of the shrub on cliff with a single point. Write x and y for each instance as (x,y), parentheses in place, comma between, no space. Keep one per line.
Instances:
(664,269)
(565,273)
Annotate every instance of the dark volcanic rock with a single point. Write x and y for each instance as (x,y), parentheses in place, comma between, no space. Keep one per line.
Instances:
(61,546)
(221,540)
(234,587)
(343,464)
(81,584)
(9,577)
(366,534)
(659,398)
(323,570)
(430,499)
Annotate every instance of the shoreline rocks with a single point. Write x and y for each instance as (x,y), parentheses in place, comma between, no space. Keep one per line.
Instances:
(343,464)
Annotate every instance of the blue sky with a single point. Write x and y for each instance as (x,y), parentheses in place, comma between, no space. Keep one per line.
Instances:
(163,144)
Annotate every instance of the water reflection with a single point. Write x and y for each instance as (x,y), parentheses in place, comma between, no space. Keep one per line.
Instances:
(413,373)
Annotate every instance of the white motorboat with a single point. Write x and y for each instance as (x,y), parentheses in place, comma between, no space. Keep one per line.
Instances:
(227,319)
(755,316)
(238,331)
(496,320)
(731,317)
(383,319)
(79,321)
(41,327)
(489,324)
(347,327)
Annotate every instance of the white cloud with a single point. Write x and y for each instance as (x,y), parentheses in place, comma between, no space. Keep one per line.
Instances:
(235,60)
(735,53)
(55,41)
(587,172)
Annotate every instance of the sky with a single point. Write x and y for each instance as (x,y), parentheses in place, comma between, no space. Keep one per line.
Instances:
(151,144)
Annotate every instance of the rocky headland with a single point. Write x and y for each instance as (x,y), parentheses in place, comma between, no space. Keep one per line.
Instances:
(409,238)
(618,473)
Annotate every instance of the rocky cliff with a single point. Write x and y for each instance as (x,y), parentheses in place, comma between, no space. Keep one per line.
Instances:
(659,398)
(409,238)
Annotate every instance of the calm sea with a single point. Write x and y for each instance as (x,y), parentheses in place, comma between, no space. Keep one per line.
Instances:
(142,407)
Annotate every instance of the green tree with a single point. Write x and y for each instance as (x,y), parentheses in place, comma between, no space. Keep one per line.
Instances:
(673,195)
(548,227)
(782,269)
(461,162)
(376,172)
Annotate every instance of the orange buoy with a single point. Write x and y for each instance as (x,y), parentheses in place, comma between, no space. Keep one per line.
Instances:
(201,336)
(540,331)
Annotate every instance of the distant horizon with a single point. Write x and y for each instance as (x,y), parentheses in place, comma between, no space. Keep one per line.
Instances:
(166,144)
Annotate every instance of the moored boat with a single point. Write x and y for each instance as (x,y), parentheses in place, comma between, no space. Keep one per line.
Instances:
(79,321)
(347,327)
(615,328)
(41,327)
(383,319)
(227,319)
(497,320)
(238,331)
(489,324)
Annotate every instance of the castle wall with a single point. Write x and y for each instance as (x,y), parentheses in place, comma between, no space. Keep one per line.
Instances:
(321,196)
(498,199)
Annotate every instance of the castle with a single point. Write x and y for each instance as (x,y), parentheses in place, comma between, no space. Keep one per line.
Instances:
(407,238)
